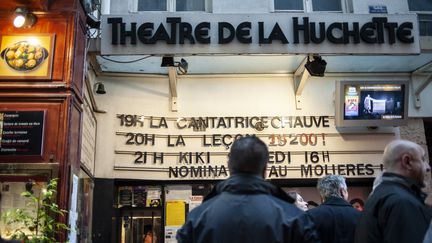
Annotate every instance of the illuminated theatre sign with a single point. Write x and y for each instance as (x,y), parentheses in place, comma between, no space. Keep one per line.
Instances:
(196,148)
(182,33)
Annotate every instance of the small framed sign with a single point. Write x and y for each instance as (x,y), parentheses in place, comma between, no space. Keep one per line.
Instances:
(377,9)
(26,56)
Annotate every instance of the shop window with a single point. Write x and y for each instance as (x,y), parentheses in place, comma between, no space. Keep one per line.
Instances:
(171,5)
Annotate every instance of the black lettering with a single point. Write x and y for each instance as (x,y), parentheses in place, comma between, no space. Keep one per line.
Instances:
(173,22)
(185,32)
(243,32)
(131,33)
(201,32)
(321,33)
(380,28)
(160,35)
(298,27)
(261,39)
(277,34)
(273,172)
(360,169)
(369,169)
(224,27)
(391,27)
(353,33)
(367,33)
(351,169)
(114,29)
(330,33)
(306,171)
(404,32)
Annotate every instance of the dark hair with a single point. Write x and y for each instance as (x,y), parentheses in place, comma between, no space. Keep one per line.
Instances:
(357,200)
(313,203)
(293,194)
(248,155)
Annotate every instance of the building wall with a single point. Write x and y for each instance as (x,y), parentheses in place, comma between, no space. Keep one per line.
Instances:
(260,6)
(222,96)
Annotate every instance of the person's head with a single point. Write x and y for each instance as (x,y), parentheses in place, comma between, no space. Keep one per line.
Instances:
(299,201)
(248,155)
(357,203)
(148,233)
(407,159)
(312,204)
(332,186)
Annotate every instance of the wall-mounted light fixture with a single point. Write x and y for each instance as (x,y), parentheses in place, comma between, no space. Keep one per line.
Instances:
(168,61)
(23,18)
(99,88)
(316,67)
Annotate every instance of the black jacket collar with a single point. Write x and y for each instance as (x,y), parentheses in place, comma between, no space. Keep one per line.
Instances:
(408,183)
(242,183)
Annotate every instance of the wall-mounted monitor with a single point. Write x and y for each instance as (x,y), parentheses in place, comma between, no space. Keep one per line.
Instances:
(371,103)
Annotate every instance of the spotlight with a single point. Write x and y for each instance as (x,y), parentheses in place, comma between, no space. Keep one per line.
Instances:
(316,67)
(182,66)
(100,88)
(92,21)
(168,61)
(23,19)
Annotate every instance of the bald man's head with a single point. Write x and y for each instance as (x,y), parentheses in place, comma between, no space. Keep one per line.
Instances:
(407,159)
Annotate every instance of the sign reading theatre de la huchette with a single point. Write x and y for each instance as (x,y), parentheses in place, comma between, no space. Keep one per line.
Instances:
(182,33)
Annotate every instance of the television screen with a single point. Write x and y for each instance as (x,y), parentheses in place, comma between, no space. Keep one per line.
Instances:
(371,103)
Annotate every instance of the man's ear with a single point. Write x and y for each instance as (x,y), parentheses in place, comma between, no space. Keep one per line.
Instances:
(406,162)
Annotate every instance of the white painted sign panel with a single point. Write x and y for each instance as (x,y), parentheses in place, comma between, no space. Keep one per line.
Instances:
(273,33)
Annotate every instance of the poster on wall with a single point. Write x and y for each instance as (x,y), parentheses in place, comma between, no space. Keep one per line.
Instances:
(21,132)
(26,56)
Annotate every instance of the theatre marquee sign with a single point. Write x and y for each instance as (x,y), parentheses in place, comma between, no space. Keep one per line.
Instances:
(276,33)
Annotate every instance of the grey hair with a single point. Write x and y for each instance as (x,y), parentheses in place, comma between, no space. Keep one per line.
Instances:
(394,151)
(330,185)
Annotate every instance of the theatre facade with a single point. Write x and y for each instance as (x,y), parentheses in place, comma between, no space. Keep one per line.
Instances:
(137,116)
(182,86)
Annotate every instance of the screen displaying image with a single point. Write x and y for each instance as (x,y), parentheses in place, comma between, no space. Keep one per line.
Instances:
(374,101)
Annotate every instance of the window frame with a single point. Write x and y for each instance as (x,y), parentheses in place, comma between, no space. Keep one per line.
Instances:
(308,8)
(171,7)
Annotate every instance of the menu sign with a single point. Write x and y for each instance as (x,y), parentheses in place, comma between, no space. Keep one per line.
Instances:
(21,132)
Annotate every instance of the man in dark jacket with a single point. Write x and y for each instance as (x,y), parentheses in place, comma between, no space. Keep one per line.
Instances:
(395,211)
(246,208)
(335,218)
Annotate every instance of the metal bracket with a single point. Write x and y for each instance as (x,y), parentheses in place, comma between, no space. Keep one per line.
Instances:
(301,75)
(172,76)
(419,89)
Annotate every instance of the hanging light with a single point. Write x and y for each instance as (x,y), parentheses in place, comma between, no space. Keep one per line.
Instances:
(100,88)
(23,18)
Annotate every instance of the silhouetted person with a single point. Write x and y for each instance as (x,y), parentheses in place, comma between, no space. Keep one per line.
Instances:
(395,211)
(299,201)
(358,204)
(244,207)
(335,218)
